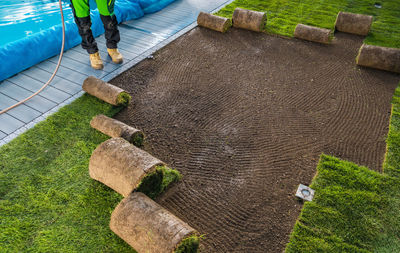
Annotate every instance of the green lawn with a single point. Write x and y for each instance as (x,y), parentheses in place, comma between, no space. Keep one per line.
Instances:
(48,202)
(284,15)
(354,210)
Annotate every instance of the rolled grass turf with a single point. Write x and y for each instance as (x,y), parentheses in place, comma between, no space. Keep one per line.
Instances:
(115,128)
(284,15)
(358,24)
(249,20)
(312,33)
(216,23)
(148,227)
(121,166)
(379,58)
(106,92)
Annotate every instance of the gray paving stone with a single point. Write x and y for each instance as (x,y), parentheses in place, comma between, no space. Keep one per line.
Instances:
(14,91)
(41,104)
(6,101)
(85,65)
(2,135)
(54,94)
(18,93)
(64,72)
(24,113)
(34,85)
(9,124)
(44,76)
(67,86)
(81,56)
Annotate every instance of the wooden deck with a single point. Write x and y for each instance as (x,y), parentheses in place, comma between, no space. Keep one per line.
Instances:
(139,39)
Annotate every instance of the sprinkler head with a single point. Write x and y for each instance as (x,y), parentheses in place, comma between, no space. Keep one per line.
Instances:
(305,193)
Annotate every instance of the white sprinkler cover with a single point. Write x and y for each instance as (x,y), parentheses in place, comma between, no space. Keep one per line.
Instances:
(305,192)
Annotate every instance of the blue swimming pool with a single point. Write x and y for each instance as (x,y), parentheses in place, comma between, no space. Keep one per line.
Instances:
(31,30)
(20,18)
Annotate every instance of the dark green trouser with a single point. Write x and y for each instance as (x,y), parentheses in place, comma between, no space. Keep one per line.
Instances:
(81,12)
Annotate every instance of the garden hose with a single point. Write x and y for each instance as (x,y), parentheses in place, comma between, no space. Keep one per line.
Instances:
(55,71)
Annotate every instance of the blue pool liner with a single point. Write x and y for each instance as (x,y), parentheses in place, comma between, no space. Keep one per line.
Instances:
(31,50)
(151,6)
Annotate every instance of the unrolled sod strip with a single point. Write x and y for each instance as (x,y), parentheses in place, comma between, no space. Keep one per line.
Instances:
(383,58)
(120,165)
(105,91)
(147,226)
(312,33)
(250,20)
(115,128)
(353,23)
(213,22)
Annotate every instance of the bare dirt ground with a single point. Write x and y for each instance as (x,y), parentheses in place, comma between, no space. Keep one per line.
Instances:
(244,117)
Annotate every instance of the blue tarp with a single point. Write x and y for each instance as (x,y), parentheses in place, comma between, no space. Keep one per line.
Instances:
(29,51)
(151,6)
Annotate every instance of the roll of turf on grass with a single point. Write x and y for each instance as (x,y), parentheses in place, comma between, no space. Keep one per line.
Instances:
(353,23)
(121,166)
(213,22)
(383,58)
(312,33)
(148,227)
(115,128)
(105,91)
(250,20)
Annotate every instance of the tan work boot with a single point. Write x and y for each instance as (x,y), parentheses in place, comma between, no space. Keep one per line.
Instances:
(96,61)
(115,55)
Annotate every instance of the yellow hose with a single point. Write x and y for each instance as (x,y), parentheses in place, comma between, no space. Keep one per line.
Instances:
(55,71)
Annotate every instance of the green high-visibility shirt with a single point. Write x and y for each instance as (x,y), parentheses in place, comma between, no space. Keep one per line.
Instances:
(82,10)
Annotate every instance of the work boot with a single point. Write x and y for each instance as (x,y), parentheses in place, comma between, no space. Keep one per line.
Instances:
(96,61)
(115,55)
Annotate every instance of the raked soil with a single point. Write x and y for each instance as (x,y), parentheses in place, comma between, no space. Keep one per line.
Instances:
(244,117)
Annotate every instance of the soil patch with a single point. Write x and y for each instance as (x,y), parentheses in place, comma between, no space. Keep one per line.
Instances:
(244,117)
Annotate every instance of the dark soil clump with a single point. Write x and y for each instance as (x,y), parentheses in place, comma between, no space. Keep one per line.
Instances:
(244,117)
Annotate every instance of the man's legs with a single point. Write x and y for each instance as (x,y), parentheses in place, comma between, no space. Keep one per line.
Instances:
(106,9)
(81,11)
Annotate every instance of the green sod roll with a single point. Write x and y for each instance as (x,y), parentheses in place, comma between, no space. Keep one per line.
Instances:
(383,58)
(312,33)
(120,165)
(106,92)
(213,22)
(353,23)
(249,20)
(148,227)
(115,128)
